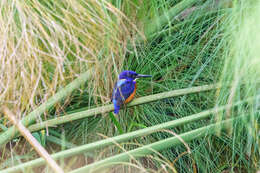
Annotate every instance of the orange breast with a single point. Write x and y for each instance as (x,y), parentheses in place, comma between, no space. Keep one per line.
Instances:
(131,97)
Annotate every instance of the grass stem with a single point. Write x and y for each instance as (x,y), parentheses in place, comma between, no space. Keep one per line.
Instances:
(109,108)
(151,148)
(123,137)
(34,143)
(31,117)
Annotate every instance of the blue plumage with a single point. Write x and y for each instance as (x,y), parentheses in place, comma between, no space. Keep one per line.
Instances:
(124,89)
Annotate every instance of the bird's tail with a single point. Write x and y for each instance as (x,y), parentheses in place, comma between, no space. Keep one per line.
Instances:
(116,106)
(116,111)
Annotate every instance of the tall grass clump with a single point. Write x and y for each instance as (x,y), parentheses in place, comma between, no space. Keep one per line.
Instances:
(193,52)
(46,44)
(241,72)
(204,43)
(186,52)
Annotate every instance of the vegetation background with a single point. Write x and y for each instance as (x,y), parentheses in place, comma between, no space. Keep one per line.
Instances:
(181,43)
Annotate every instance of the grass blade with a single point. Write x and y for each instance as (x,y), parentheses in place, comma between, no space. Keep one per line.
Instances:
(124,137)
(157,23)
(34,143)
(116,123)
(109,108)
(30,118)
(149,149)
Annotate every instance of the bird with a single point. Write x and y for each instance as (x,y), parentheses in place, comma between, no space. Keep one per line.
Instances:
(125,88)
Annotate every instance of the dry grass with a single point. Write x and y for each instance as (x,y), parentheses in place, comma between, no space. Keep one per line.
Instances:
(46,44)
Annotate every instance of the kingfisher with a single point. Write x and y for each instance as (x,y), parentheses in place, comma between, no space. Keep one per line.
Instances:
(125,88)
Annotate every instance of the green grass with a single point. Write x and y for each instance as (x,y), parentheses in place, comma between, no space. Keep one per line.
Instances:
(204,47)
(241,72)
(178,59)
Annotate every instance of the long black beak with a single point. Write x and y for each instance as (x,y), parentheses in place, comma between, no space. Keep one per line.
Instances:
(142,75)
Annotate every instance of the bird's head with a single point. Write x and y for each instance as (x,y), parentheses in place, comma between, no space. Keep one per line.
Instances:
(131,75)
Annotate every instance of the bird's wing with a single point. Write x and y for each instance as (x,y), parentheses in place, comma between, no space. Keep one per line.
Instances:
(122,90)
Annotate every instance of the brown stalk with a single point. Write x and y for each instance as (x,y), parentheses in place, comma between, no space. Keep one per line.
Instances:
(35,144)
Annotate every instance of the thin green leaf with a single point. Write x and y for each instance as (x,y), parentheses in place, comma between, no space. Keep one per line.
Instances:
(116,123)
